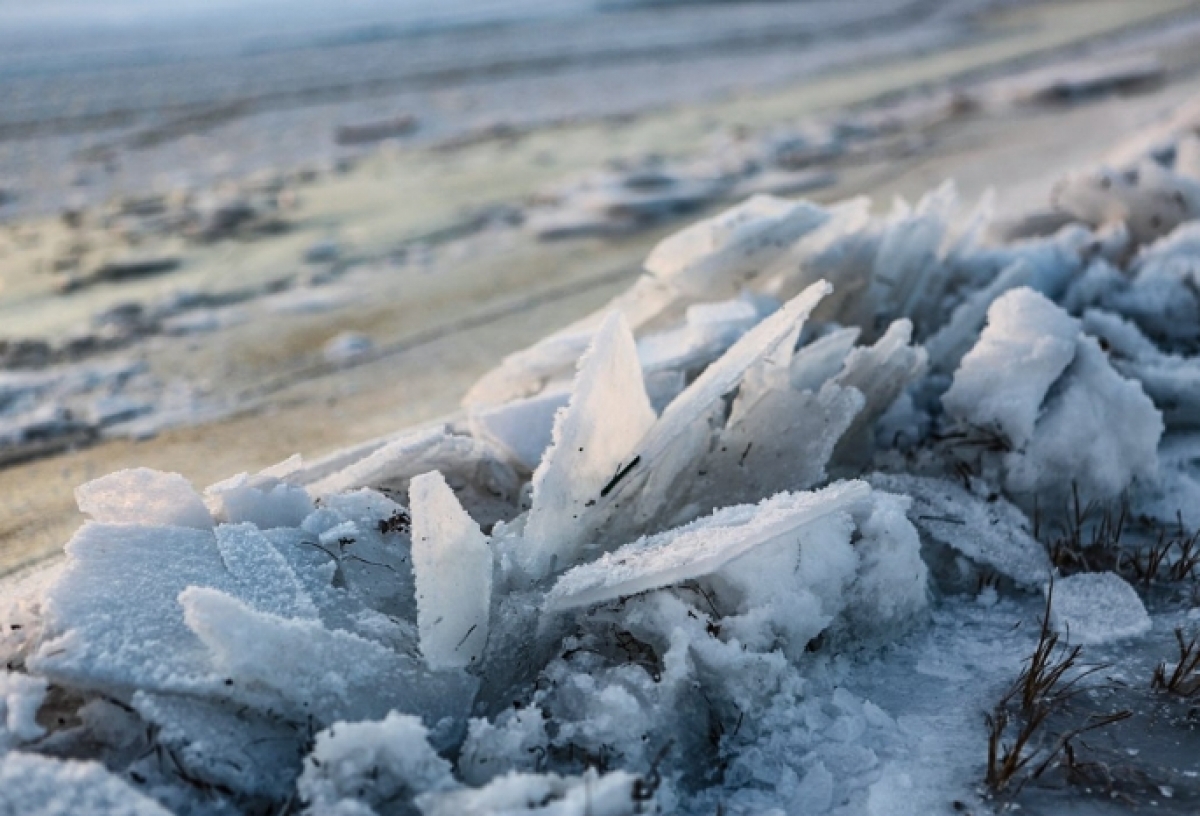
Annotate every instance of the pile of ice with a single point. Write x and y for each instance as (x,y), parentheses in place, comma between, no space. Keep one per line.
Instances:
(636,576)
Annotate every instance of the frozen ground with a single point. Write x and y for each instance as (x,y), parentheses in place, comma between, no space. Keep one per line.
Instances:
(832,509)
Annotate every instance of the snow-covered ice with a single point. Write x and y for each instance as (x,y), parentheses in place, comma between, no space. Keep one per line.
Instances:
(759,536)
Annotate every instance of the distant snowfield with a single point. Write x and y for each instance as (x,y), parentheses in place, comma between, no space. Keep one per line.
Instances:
(771,533)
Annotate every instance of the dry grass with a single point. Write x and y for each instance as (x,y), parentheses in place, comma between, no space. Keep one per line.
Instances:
(1096,538)
(1021,747)
(1184,679)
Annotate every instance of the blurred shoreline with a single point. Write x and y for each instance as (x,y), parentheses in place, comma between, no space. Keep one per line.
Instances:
(273,312)
(177,109)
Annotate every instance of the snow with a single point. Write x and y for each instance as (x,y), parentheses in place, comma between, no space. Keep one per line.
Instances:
(452,565)
(1097,607)
(1099,432)
(1003,380)
(20,698)
(372,763)
(591,794)
(266,499)
(32,785)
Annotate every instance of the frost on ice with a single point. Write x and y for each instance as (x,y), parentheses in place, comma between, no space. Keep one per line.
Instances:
(649,566)
(1097,607)
(699,548)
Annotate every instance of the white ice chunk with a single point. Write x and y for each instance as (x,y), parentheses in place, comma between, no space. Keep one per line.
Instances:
(992,532)
(594,437)
(329,674)
(452,564)
(20,698)
(708,330)
(841,251)
(715,257)
(263,500)
(956,337)
(778,439)
(1027,345)
(681,436)
(523,428)
(518,794)
(143,496)
(374,763)
(526,372)
(32,785)
(1099,432)
(1097,607)
(907,263)
(403,458)
(701,547)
